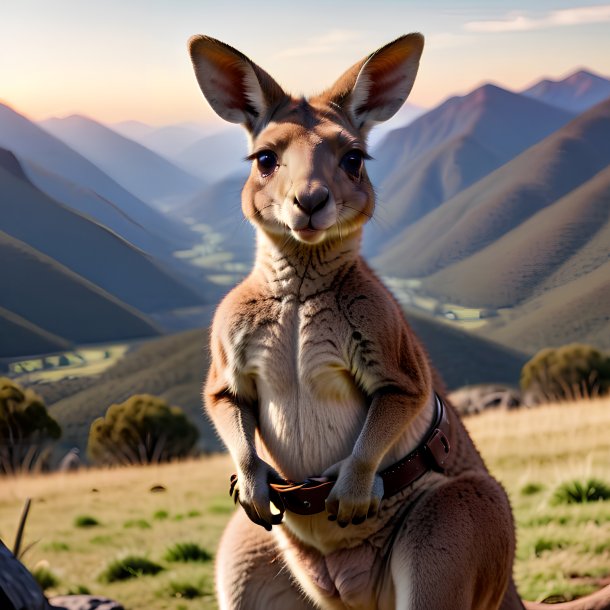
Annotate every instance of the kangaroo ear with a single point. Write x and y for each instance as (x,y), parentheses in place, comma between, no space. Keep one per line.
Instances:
(374,89)
(236,88)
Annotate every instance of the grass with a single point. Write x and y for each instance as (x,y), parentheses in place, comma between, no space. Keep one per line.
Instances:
(131,566)
(562,548)
(187,551)
(85,521)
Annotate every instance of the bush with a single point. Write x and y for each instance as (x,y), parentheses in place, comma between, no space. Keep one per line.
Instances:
(26,428)
(142,430)
(85,521)
(45,578)
(575,492)
(185,590)
(187,551)
(566,373)
(131,566)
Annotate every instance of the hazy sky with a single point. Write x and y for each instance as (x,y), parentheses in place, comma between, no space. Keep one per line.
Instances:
(126,59)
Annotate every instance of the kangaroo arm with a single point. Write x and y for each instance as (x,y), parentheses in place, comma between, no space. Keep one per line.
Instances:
(235,422)
(389,415)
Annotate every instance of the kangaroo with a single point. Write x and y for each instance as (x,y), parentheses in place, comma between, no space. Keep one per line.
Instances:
(360,486)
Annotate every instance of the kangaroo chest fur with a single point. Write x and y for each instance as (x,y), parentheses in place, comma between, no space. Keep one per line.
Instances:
(310,407)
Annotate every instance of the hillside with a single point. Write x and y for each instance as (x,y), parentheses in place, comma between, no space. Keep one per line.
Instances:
(32,145)
(168,141)
(175,366)
(47,295)
(564,241)
(86,248)
(573,312)
(419,167)
(216,156)
(141,171)
(219,207)
(22,338)
(575,93)
(503,200)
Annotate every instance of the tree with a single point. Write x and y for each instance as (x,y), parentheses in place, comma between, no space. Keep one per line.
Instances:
(142,430)
(566,373)
(26,428)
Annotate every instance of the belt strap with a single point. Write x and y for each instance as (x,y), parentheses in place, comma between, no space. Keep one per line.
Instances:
(308,497)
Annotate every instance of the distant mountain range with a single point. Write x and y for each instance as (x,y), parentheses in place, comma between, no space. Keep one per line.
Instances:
(69,231)
(42,154)
(494,200)
(576,93)
(149,176)
(419,167)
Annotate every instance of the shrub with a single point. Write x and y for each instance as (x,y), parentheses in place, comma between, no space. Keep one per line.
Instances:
(531,489)
(26,429)
(575,492)
(85,521)
(185,590)
(142,430)
(160,515)
(566,373)
(187,551)
(44,577)
(139,523)
(131,566)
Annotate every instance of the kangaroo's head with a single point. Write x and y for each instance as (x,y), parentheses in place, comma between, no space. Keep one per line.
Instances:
(308,181)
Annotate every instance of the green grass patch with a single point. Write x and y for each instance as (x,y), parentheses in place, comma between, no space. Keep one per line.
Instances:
(531,489)
(85,521)
(221,509)
(102,540)
(193,513)
(185,590)
(78,590)
(131,566)
(45,578)
(187,551)
(577,492)
(139,523)
(160,515)
(548,544)
(56,546)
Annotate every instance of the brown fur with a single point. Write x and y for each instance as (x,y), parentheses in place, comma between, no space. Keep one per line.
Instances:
(315,371)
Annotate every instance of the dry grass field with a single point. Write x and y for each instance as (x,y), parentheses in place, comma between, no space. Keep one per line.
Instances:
(562,548)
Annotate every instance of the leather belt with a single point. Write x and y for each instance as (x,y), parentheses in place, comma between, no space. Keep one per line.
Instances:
(308,497)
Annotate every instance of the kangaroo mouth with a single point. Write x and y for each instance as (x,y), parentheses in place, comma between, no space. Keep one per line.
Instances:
(309,234)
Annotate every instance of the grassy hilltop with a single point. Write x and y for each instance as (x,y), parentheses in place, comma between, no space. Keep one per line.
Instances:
(562,548)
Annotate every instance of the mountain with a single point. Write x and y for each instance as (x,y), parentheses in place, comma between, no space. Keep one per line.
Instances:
(418,167)
(48,300)
(503,200)
(567,240)
(86,248)
(141,171)
(576,93)
(216,156)
(34,146)
(219,208)
(407,114)
(573,312)
(22,338)
(170,140)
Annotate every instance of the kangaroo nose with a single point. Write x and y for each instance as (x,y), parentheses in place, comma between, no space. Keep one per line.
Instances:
(311,199)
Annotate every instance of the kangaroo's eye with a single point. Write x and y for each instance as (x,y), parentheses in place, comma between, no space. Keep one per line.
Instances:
(266,161)
(352,162)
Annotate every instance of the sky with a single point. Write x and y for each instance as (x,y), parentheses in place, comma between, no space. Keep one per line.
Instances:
(122,60)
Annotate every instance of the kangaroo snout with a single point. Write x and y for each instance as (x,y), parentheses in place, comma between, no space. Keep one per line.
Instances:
(311,198)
